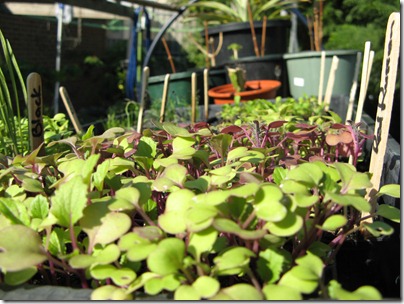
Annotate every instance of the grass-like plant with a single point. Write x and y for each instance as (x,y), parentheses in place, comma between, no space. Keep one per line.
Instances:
(13,134)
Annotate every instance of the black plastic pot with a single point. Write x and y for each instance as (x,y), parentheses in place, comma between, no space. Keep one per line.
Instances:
(374,262)
(276,38)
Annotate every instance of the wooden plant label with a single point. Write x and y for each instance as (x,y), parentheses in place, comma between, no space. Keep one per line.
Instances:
(70,110)
(205,93)
(193,97)
(385,103)
(164,97)
(145,81)
(35,106)
(330,83)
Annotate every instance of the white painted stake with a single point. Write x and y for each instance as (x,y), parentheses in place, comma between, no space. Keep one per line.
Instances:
(321,84)
(70,110)
(363,87)
(385,104)
(145,80)
(164,98)
(330,83)
(193,96)
(205,93)
(35,110)
(353,88)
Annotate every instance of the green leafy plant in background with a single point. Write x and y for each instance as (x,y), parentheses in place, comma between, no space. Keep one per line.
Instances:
(188,212)
(118,118)
(302,109)
(13,137)
(219,12)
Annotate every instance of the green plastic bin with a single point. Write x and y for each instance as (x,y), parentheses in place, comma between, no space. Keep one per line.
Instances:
(304,72)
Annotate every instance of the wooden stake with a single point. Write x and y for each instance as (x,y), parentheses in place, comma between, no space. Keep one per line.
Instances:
(362,92)
(310,28)
(330,83)
(205,92)
(353,88)
(254,37)
(169,57)
(164,97)
(320,86)
(264,34)
(385,104)
(145,80)
(193,97)
(205,25)
(35,112)
(70,110)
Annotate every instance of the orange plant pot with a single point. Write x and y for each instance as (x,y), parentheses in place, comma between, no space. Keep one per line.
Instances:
(265,89)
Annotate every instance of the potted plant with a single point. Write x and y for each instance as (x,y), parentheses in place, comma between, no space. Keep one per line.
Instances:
(300,65)
(242,90)
(233,20)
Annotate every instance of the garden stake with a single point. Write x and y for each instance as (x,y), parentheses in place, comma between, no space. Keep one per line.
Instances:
(264,33)
(330,83)
(320,86)
(145,80)
(169,57)
(70,110)
(205,92)
(353,88)
(193,96)
(35,106)
(310,28)
(205,25)
(362,92)
(385,104)
(254,37)
(164,97)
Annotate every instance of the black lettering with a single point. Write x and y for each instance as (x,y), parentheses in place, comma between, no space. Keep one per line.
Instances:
(37,128)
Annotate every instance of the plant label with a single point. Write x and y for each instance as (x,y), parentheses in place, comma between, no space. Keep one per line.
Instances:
(35,105)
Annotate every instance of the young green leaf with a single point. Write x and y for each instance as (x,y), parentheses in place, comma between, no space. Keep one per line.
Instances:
(389,212)
(168,257)
(19,277)
(69,201)
(390,189)
(103,226)
(21,248)
(281,293)
(368,293)
(238,292)
(334,222)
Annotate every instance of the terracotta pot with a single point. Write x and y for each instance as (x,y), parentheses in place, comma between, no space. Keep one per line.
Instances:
(265,89)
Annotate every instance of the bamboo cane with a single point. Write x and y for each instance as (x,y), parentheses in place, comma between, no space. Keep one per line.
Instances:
(35,106)
(70,110)
(164,97)
(362,91)
(254,37)
(264,34)
(205,93)
(193,97)
(205,25)
(353,88)
(169,57)
(310,28)
(145,80)
(321,82)
(330,83)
